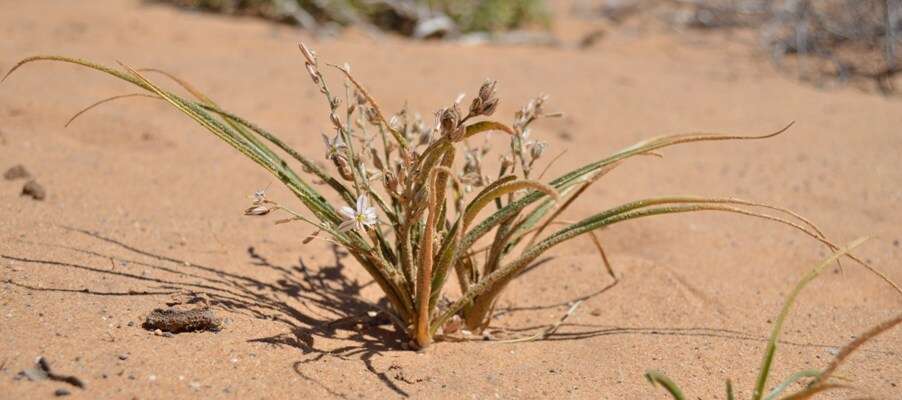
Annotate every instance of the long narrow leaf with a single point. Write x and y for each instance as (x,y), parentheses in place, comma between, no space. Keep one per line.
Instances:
(577,175)
(771,348)
(657,378)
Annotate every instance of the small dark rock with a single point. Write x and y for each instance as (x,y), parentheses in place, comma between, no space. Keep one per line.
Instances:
(16,172)
(896,242)
(123,356)
(61,392)
(33,189)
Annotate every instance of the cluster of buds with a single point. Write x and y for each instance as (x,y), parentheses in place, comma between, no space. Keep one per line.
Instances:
(485,103)
(449,123)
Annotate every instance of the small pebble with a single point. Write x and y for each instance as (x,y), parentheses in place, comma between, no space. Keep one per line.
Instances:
(61,392)
(123,356)
(158,332)
(34,190)
(16,172)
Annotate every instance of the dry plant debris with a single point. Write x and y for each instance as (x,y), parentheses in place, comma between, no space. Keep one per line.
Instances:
(42,371)
(176,320)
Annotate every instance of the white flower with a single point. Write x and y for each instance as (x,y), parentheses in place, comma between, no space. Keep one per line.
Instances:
(360,218)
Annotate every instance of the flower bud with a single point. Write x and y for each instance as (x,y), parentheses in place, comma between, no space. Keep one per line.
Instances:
(536,150)
(344,169)
(449,119)
(489,107)
(487,90)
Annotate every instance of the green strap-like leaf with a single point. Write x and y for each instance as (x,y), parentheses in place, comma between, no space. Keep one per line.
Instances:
(576,176)
(658,378)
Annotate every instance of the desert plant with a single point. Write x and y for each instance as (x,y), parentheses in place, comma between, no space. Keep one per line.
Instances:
(410,219)
(820,379)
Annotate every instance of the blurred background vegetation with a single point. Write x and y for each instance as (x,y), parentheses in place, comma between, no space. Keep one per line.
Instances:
(837,39)
(420,18)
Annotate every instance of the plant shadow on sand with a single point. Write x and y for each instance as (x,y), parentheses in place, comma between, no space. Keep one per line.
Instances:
(331,302)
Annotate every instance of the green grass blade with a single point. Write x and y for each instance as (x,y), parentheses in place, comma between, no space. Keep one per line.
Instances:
(487,197)
(629,211)
(308,196)
(308,165)
(658,378)
(771,348)
(730,395)
(576,176)
(775,393)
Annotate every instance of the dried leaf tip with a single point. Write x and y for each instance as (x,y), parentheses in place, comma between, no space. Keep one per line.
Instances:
(308,54)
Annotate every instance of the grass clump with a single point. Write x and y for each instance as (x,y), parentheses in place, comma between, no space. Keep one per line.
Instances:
(820,379)
(414,215)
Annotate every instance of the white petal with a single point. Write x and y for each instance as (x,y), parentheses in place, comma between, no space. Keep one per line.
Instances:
(369,218)
(361,204)
(347,225)
(348,212)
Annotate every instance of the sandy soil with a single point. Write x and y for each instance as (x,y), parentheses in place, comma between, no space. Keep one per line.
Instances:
(143,205)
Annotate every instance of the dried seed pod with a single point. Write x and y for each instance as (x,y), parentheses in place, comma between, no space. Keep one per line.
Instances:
(449,119)
(314,73)
(489,107)
(335,120)
(377,161)
(344,168)
(476,106)
(310,55)
(486,102)
(487,90)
